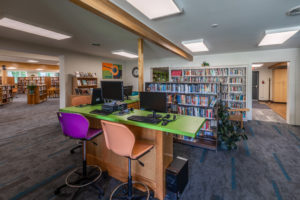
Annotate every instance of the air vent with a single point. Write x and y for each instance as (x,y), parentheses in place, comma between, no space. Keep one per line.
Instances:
(294,11)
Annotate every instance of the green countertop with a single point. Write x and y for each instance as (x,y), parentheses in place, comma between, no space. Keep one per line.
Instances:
(183,125)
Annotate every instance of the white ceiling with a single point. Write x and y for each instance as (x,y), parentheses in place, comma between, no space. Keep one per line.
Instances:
(241,25)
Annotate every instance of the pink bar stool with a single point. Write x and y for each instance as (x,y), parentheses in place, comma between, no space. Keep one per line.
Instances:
(121,141)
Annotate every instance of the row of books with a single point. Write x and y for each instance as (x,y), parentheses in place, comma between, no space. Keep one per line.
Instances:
(184,88)
(192,111)
(236,104)
(85,91)
(233,88)
(237,97)
(237,71)
(86,82)
(240,80)
(195,100)
(206,72)
(204,79)
(207,126)
(85,74)
(205,133)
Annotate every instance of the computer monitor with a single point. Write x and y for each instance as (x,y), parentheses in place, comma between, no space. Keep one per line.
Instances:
(154,101)
(112,90)
(97,96)
(128,90)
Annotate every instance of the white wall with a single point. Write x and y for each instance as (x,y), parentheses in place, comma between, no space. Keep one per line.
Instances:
(72,62)
(245,58)
(264,75)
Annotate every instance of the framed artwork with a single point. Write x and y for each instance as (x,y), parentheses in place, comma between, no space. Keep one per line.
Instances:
(111,71)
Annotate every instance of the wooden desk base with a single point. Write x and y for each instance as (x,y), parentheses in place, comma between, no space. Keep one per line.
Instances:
(156,161)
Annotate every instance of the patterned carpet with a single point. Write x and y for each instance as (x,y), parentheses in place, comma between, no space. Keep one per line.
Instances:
(35,158)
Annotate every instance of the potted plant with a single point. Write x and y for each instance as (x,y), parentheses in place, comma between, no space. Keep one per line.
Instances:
(229,132)
(31,88)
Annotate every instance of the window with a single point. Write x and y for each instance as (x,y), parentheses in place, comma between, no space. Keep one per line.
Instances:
(16,74)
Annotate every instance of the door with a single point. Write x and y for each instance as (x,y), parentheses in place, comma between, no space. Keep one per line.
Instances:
(255,84)
(279,86)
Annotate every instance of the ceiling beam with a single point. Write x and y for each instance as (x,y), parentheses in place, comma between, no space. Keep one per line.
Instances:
(114,14)
(278,66)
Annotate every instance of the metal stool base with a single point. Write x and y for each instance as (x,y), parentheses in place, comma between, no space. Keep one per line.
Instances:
(134,196)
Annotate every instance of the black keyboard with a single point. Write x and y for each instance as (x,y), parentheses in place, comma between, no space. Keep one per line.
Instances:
(144,119)
(100,112)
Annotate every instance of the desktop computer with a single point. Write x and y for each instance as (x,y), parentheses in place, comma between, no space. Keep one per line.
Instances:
(97,96)
(112,90)
(155,102)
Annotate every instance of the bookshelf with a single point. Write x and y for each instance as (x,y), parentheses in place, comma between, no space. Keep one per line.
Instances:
(6,94)
(38,96)
(55,82)
(24,81)
(233,81)
(0,80)
(195,99)
(83,85)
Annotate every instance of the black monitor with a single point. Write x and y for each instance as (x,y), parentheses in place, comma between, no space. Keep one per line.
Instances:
(97,96)
(112,90)
(154,101)
(128,90)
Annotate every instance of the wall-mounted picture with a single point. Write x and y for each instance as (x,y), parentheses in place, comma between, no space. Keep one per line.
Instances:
(111,71)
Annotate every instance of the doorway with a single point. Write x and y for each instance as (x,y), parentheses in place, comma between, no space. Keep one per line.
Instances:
(269,91)
(255,83)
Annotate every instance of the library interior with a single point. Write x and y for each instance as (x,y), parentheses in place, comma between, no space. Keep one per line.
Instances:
(150,100)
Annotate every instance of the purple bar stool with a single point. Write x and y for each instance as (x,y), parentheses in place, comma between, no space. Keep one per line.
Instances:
(76,126)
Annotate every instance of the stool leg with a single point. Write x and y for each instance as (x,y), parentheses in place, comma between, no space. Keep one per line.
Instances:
(129,179)
(84,159)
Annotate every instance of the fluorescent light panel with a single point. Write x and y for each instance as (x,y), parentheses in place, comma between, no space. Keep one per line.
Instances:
(278,36)
(32,61)
(155,8)
(20,26)
(125,54)
(257,65)
(39,69)
(195,45)
(11,68)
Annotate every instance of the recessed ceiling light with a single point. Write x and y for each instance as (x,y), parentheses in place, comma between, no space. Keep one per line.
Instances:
(32,61)
(257,65)
(278,36)
(156,8)
(20,26)
(39,69)
(96,44)
(125,54)
(195,45)
(11,68)
(214,25)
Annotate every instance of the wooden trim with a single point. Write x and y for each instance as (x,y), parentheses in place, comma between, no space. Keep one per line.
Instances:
(114,14)
(282,65)
(141,64)
(29,66)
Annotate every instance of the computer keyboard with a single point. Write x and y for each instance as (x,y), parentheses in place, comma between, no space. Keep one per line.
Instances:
(100,112)
(144,119)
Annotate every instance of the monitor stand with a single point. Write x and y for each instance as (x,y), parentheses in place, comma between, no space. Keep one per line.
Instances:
(154,115)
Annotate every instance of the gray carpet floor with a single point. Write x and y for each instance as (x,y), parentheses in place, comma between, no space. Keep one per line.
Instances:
(35,158)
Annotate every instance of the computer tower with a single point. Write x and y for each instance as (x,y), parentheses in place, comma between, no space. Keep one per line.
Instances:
(177,175)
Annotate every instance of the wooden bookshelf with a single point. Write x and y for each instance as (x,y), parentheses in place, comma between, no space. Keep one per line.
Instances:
(6,94)
(24,81)
(38,96)
(83,85)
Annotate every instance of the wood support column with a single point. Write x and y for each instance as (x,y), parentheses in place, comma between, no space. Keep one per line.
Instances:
(141,64)
(4,75)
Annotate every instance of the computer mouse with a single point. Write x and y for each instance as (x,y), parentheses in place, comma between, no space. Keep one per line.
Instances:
(167,116)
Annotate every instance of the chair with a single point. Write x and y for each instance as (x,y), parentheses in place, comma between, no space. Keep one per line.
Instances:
(237,115)
(121,141)
(76,126)
(76,101)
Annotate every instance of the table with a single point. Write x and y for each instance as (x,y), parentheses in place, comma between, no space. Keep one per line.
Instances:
(156,161)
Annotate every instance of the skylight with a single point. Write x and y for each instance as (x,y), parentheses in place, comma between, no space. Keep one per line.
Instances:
(155,8)
(195,45)
(278,36)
